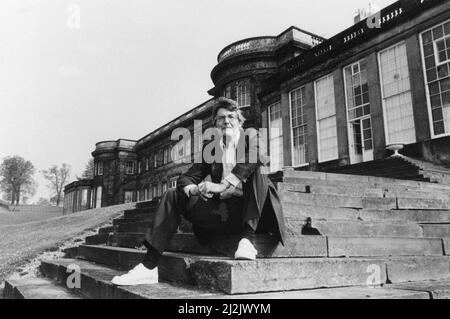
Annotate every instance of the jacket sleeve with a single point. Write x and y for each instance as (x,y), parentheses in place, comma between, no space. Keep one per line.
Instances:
(254,156)
(195,175)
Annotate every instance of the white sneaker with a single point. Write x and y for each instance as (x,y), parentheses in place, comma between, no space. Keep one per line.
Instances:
(245,250)
(139,275)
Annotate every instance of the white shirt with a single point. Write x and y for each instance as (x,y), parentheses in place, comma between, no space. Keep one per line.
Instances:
(228,163)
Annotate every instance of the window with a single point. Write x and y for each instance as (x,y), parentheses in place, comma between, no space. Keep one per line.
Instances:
(128,196)
(243,93)
(139,167)
(164,187)
(129,167)
(149,194)
(297,100)
(181,149)
(275,137)
(98,193)
(155,191)
(326,119)
(166,155)
(442,50)
(435,51)
(155,161)
(240,91)
(173,183)
(358,105)
(396,94)
(100,168)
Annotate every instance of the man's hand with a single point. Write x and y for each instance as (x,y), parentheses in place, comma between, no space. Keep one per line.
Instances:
(208,189)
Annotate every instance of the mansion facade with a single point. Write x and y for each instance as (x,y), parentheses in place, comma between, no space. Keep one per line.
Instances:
(333,102)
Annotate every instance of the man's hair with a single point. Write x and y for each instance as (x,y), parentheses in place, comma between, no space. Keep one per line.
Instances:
(228,104)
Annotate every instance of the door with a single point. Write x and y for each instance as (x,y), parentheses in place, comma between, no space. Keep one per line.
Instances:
(360,137)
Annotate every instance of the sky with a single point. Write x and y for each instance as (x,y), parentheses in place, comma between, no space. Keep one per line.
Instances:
(73,73)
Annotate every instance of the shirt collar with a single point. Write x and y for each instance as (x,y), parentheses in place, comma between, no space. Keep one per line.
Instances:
(234,140)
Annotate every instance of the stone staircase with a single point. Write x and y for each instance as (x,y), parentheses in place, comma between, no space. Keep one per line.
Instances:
(368,232)
(399,167)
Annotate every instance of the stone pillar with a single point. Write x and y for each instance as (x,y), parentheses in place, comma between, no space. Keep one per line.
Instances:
(341,117)
(286,118)
(310,111)
(418,93)
(376,106)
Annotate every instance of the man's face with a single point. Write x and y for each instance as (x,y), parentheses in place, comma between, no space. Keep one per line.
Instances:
(227,122)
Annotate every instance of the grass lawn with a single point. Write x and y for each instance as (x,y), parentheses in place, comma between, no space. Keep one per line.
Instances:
(14,218)
(21,242)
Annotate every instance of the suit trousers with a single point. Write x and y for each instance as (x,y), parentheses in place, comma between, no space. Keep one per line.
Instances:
(209,218)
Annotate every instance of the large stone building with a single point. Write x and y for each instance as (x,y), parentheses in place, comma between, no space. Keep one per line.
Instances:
(335,102)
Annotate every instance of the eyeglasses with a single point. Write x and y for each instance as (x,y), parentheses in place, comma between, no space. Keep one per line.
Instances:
(230,117)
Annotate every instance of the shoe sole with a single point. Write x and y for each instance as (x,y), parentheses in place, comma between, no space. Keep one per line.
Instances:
(136,283)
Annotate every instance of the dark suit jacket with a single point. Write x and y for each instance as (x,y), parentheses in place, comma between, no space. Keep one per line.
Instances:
(257,187)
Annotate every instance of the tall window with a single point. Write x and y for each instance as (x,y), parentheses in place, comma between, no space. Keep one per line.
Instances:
(154,191)
(240,91)
(100,168)
(181,149)
(275,137)
(396,94)
(173,183)
(147,166)
(436,54)
(98,202)
(358,107)
(326,119)
(164,187)
(128,196)
(297,100)
(129,167)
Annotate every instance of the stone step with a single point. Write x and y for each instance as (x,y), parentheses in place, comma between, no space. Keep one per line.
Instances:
(291,176)
(301,211)
(99,239)
(364,202)
(318,186)
(414,216)
(319,213)
(138,212)
(106,230)
(267,247)
(143,218)
(275,274)
(338,200)
(296,227)
(142,226)
(96,284)
(383,246)
(148,204)
(436,230)
(363,191)
(36,288)
(134,227)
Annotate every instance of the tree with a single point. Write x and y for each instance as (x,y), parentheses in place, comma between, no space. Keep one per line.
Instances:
(57,176)
(88,172)
(17,181)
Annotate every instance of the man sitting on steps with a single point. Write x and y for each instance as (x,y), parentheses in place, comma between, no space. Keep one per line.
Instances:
(240,199)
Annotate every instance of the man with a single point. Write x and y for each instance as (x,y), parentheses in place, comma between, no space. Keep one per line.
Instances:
(239,198)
